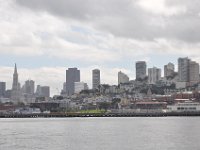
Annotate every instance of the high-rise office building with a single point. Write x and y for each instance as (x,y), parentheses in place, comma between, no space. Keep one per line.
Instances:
(96,81)
(183,69)
(72,76)
(188,72)
(169,70)
(122,78)
(2,89)
(193,72)
(43,91)
(141,68)
(154,74)
(29,87)
(15,95)
(15,85)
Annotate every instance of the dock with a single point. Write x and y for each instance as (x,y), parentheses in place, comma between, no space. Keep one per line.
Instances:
(68,115)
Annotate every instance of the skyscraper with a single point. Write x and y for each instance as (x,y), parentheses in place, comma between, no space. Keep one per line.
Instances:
(96,81)
(122,78)
(43,91)
(15,95)
(141,69)
(15,85)
(154,74)
(29,87)
(2,89)
(183,69)
(193,72)
(72,76)
(169,70)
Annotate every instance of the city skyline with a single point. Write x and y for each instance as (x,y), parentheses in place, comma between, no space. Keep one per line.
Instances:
(162,71)
(111,39)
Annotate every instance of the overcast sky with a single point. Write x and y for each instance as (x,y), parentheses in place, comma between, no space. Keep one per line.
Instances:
(45,37)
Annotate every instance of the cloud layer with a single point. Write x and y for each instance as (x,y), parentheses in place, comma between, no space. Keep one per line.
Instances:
(68,30)
(139,19)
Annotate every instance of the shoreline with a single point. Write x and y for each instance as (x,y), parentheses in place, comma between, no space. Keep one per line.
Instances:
(65,115)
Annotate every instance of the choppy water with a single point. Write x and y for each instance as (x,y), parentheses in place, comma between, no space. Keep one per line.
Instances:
(168,133)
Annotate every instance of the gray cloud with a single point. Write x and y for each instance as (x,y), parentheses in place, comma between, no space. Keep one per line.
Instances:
(126,18)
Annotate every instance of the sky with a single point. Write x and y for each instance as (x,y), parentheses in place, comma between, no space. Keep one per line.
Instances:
(45,37)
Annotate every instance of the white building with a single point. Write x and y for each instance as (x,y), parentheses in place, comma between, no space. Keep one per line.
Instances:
(187,106)
(122,78)
(79,86)
(154,74)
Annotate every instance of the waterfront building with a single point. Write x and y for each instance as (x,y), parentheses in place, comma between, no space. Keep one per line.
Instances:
(187,106)
(79,86)
(2,89)
(169,70)
(154,74)
(122,78)
(72,76)
(96,78)
(141,68)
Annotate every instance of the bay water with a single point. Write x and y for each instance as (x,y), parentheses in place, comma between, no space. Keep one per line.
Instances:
(145,133)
